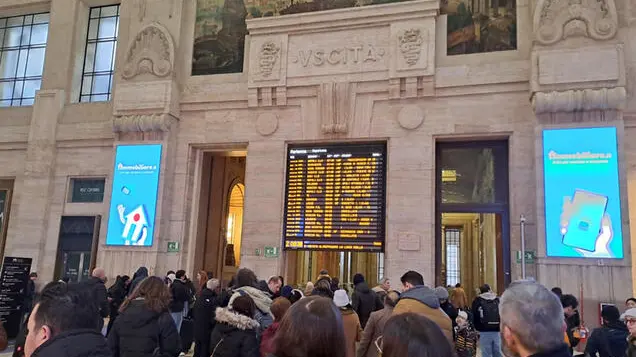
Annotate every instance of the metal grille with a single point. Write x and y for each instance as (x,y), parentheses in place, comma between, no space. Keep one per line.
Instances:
(453,274)
(22,50)
(99,56)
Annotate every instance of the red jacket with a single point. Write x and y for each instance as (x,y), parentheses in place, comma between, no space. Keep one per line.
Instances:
(267,340)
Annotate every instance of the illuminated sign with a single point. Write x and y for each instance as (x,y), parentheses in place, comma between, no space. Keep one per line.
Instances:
(582,195)
(133,200)
(335,197)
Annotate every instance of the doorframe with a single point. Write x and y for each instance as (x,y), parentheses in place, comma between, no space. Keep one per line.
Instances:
(502,208)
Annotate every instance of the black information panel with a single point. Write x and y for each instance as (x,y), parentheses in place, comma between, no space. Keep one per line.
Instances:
(335,197)
(13,283)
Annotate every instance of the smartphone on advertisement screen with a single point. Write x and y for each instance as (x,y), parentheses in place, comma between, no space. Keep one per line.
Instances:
(585,222)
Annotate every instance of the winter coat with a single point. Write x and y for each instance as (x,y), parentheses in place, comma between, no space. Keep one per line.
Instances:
(631,347)
(422,300)
(138,277)
(365,302)
(180,295)
(561,351)
(267,340)
(466,341)
(204,309)
(100,295)
(141,332)
(75,343)
(263,304)
(352,330)
(373,330)
(480,325)
(117,293)
(572,322)
(234,335)
(609,340)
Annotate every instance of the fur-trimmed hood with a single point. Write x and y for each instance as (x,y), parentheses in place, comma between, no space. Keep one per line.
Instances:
(232,319)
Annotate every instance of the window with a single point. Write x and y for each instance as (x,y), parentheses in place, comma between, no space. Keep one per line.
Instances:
(22,47)
(452,236)
(99,57)
(85,190)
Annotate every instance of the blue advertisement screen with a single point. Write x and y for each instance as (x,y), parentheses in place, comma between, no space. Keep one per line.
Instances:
(133,200)
(582,195)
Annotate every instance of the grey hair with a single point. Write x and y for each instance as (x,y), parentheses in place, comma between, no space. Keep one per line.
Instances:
(534,314)
(212,284)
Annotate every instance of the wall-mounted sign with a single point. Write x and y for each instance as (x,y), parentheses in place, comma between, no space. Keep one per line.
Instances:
(272,252)
(173,247)
(530,255)
(133,199)
(335,197)
(582,195)
(87,190)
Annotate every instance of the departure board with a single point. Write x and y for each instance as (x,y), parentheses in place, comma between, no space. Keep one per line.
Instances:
(335,197)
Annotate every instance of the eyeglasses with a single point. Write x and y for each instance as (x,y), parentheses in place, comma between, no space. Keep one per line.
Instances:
(630,321)
(378,345)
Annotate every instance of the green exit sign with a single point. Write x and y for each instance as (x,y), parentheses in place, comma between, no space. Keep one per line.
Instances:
(530,255)
(272,252)
(173,247)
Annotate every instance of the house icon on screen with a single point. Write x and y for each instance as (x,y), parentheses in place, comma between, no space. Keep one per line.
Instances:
(136,218)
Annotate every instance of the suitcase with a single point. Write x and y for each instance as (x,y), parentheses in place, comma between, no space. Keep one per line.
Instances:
(187,334)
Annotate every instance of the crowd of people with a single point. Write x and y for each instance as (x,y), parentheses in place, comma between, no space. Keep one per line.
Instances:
(168,316)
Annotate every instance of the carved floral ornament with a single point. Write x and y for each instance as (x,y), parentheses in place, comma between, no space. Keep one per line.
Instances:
(555,20)
(142,123)
(410,42)
(151,51)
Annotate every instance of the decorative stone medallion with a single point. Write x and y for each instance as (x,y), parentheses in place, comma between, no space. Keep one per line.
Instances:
(410,117)
(267,58)
(267,124)
(411,45)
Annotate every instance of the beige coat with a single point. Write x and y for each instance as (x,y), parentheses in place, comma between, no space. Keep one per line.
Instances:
(438,316)
(352,330)
(373,330)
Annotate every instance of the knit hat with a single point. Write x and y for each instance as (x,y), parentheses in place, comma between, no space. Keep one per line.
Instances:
(629,313)
(340,298)
(463,315)
(286,291)
(441,293)
(172,277)
(357,279)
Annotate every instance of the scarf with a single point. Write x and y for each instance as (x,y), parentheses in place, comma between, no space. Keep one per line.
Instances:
(261,299)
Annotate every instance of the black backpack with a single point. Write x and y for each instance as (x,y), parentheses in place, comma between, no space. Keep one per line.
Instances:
(489,312)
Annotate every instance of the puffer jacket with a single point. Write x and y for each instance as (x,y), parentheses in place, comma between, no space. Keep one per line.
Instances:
(364,302)
(422,300)
(141,332)
(234,335)
(74,343)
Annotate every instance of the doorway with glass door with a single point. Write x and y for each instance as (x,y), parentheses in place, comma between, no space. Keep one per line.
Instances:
(472,220)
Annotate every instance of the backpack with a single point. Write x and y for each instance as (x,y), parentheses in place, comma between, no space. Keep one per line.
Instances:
(489,312)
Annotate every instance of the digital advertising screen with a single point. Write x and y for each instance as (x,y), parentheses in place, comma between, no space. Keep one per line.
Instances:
(582,194)
(335,197)
(133,200)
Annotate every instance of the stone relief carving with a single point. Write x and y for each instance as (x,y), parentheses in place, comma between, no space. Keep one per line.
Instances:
(267,58)
(410,117)
(579,100)
(555,20)
(142,123)
(411,45)
(336,100)
(359,53)
(267,124)
(151,51)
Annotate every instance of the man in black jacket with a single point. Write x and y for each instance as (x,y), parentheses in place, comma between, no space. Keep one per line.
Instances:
(181,297)
(204,322)
(572,318)
(364,300)
(96,284)
(64,323)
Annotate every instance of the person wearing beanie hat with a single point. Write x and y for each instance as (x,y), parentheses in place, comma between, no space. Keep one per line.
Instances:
(465,336)
(350,320)
(364,300)
(445,304)
(610,339)
(286,291)
(309,288)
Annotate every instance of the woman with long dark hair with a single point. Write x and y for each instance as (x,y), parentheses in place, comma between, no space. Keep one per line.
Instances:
(144,326)
(312,327)
(413,335)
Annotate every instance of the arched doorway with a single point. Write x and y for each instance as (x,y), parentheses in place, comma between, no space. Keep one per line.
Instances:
(234,228)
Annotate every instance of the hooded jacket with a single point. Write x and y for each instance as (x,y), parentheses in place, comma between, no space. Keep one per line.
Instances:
(204,309)
(364,302)
(234,335)
(180,295)
(609,340)
(141,332)
(422,300)
(140,274)
(479,301)
(74,343)
(263,304)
